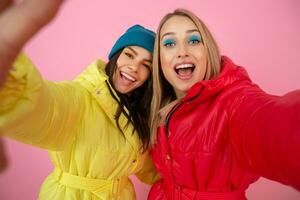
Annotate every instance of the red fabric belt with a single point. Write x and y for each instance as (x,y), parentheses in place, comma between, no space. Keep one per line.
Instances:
(177,192)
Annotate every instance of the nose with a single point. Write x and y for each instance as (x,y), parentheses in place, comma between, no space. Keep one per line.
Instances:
(182,51)
(134,66)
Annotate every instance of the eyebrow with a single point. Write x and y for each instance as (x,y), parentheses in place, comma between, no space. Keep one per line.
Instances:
(173,33)
(168,33)
(133,50)
(193,30)
(136,53)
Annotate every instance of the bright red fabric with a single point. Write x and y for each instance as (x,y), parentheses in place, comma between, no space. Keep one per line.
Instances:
(223,135)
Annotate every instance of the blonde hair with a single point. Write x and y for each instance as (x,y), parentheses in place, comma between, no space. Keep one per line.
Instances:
(163,92)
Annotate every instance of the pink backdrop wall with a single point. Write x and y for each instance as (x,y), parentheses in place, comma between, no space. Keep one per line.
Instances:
(261,35)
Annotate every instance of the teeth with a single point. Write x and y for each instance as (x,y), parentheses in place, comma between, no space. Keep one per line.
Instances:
(128,76)
(182,66)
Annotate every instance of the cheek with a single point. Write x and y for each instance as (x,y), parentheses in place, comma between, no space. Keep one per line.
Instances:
(166,62)
(199,53)
(121,59)
(144,75)
(166,58)
(116,69)
(166,69)
(203,60)
(167,73)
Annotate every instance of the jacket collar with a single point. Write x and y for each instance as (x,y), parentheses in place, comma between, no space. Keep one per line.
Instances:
(230,74)
(95,80)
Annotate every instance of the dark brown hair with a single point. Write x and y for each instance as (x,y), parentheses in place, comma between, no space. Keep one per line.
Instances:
(137,103)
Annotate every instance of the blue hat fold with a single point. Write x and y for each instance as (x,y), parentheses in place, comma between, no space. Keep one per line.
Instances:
(136,35)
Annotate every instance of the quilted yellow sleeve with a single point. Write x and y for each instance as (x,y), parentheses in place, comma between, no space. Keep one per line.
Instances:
(38,112)
(148,174)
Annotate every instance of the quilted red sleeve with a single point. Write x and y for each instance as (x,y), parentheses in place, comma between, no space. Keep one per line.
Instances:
(265,134)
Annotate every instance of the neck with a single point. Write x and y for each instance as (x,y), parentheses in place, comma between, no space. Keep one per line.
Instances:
(179,94)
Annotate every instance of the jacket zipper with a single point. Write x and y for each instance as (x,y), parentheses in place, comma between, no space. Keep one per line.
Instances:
(166,126)
(169,117)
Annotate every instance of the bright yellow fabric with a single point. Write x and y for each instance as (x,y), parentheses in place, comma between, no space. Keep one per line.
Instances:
(74,121)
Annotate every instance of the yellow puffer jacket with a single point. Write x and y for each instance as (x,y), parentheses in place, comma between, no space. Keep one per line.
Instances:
(74,121)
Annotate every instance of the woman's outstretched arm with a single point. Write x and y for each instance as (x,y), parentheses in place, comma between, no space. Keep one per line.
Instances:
(20,22)
(265,133)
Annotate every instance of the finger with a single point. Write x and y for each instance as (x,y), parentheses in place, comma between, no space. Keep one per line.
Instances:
(18,24)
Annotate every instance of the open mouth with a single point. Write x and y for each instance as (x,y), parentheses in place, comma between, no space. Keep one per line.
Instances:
(185,69)
(127,77)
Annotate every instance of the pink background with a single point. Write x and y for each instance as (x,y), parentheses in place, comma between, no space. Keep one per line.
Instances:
(262,35)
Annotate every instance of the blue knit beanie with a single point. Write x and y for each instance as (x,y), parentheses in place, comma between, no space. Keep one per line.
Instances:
(136,35)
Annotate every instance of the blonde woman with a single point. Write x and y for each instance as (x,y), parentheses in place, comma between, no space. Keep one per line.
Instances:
(214,132)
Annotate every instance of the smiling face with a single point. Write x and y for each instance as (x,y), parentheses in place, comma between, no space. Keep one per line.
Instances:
(182,54)
(132,70)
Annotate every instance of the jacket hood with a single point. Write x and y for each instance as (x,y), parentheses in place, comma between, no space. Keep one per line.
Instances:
(229,75)
(92,72)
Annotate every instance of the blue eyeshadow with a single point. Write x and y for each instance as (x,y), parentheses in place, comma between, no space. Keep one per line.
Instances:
(195,37)
(168,41)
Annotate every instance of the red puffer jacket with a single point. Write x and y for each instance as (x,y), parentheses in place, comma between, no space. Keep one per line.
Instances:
(223,135)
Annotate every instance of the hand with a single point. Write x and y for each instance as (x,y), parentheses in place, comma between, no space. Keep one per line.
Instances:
(18,24)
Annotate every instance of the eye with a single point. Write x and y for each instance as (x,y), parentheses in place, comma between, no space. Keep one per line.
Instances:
(169,43)
(147,66)
(194,40)
(129,55)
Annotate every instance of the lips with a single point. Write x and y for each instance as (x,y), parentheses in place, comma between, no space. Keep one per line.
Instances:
(184,70)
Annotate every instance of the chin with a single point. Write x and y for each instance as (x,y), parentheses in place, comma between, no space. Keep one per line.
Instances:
(124,92)
(121,91)
(184,89)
